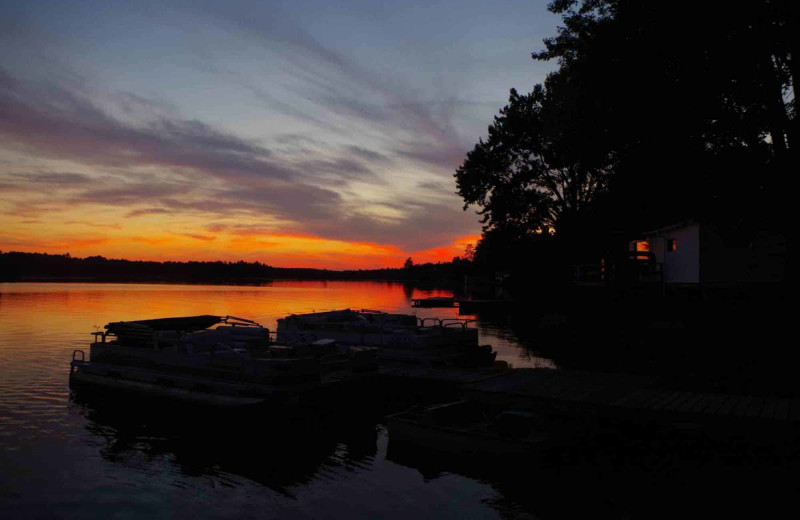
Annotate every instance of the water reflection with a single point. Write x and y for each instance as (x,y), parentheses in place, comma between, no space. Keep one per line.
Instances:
(48,319)
(630,473)
(280,448)
(140,458)
(102,457)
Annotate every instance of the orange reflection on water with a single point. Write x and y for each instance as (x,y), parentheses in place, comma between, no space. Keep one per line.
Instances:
(73,306)
(51,319)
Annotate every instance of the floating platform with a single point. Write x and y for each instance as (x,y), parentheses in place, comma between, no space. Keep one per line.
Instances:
(473,306)
(440,374)
(623,396)
(595,395)
(436,301)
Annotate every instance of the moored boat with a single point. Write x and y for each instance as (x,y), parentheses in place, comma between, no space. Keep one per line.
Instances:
(396,336)
(434,301)
(216,360)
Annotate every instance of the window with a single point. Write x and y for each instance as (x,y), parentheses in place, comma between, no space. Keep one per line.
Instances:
(642,246)
(672,244)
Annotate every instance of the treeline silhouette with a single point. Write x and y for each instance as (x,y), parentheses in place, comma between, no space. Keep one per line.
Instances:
(658,112)
(18,266)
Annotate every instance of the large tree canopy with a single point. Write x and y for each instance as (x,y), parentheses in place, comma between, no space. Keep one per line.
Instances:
(727,72)
(658,111)
(696,100)
(522,177)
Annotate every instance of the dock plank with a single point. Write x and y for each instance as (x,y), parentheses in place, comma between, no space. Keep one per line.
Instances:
(576,392)
(702,403)
(443,374)
(689,403)
(584,393)
(715,404)
(581,392)
(559,389)
(768,412)
(555,388)
(668,397)
(781,410)
(680,401)
(756,405)
(635,399)
(728,405)
(576,387)
(794,410)
(741,406)
(656,397)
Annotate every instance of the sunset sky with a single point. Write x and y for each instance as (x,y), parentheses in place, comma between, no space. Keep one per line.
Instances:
(299,134)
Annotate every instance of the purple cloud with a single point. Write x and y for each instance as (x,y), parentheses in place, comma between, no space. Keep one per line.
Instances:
(201,169)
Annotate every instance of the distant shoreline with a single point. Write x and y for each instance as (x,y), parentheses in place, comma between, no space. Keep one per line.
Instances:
(254,283)
(44,267)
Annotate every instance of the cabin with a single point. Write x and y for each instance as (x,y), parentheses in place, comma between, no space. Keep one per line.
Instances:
(692,252)
(676,249)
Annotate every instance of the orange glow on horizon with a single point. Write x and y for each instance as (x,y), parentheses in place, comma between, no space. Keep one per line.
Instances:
(275,249)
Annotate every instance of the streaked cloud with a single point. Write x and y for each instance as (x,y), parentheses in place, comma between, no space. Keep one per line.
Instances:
(205,128)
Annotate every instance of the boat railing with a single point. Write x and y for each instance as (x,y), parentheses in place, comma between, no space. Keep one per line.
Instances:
(218,348)
(444,322)
(423,322)
(456,322)
(75,359)
(301,338)
(239,322)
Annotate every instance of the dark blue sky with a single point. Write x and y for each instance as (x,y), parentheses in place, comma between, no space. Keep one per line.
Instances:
(303,132)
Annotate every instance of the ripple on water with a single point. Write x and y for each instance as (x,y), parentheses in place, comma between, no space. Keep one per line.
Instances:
(56,450)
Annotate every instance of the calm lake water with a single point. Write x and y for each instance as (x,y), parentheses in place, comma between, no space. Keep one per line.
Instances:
(66,455)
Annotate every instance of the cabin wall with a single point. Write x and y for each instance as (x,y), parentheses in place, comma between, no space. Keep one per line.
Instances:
(681,265)
(761,258)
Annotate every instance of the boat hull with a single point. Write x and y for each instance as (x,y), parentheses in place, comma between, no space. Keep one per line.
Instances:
(225,366)
(188,388)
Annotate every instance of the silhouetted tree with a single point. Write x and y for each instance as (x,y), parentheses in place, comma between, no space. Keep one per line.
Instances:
(17,266)
(522,177)
(469,253)
(659,111)
(694,101)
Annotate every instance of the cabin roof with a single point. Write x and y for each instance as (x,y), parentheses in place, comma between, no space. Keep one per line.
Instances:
(677,225)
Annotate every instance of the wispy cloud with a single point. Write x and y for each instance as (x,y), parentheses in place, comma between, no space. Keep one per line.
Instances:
(348,92)
(206,238)
(56,178)
(92,224)
(204,170)
(64,123)
(354,176)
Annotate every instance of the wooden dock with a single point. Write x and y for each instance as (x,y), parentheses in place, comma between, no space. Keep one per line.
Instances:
(436,301)
(622,395)
(596,394)
(477,306)
(450,375)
